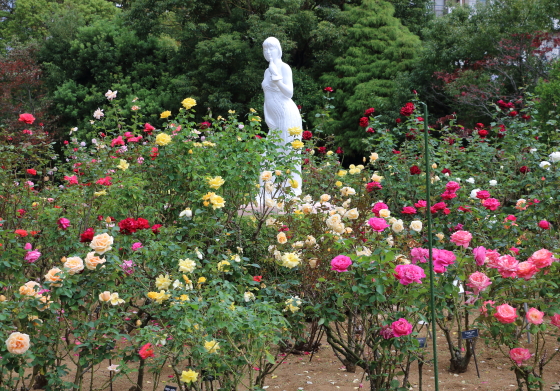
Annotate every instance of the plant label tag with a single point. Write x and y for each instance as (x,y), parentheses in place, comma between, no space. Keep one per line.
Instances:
(422,342)
(469,334)
(169,388)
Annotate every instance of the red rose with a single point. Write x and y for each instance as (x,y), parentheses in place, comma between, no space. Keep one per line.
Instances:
(408,210)
(257,278)
(544,224)
(512,113)
(31,171)
(87,235)
(396,152)
(21,233)
(104,181)
(305,161)
(526,117)
(446,171)
(524,169)
(20,213)
(128,226)
(142,223)
(156,227)
(371,186)
(328,89)
(306,135)
(369,112)
(364,121)
(299,107)
(479,125)
(339,151)
(370,130)
(146,351)
(204,125)
(483,133)
(322,149)
(408,109)
(26,118)
(258,137)
(410,136)
(155,153)
(415,170)
(398,120)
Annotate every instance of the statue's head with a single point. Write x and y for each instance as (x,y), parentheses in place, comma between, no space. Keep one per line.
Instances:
(272,49)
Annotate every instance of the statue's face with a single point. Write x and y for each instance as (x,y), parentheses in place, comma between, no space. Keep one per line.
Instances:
(271,52)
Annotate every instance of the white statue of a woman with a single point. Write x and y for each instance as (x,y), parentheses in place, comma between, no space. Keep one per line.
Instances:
(280,111)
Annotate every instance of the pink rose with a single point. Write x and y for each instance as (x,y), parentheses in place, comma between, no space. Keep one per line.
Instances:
(526,270)
(461,238)
(484,308)
(63,223)
(544,224)
(378,224)
(408,210)
(483,194)
(340,263)
(386,332)
(491,203)
(117,141)
(534,316)
(419,254)
(136,246)
(479,282)
(555,320)
(407,274)
(519,355)
(32,256)
(378,206)
(505,313)
(541,258)
(479,255)
(421,204)
(492,258)
(72,180)
(401,327)
(442,259)
(452,186)
(507,266)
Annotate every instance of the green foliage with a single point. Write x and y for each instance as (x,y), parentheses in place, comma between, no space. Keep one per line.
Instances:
(548,92)
(380,47)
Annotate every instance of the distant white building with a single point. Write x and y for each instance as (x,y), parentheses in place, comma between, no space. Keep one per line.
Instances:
(440,7)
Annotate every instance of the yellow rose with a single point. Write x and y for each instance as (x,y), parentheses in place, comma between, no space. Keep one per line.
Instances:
(100,193)
(329,153)
(165,114)
(17,343)
(290,260)
(101,243)
(440,236)
(293,183)
(74,265)
(158,297)
(201,280)
(295,131)
(352,214)
(341,173)
(187,265)
(338,183)
(28,289)
(217,202)
(189,376)
(105,296)
(54,276)
(92,260)
(373,157)
(297,144)
(215,183)
(163,139)
(115,299)
(223,266)
(188,103)
(163,282)
(376,178)
(123,165)
(212,346)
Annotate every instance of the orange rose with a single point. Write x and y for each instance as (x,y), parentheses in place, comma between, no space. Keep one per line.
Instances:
(74,265)
(101,243)
(17,343)
(53,276)
(105,296)
(29,289)
(92,260)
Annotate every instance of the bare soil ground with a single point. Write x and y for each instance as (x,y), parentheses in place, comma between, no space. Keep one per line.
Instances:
(323,372)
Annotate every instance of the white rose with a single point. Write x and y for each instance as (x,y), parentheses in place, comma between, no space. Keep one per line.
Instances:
(493,182)
(398,226)
(544,164)
(473,193)
(470,180)
(352,214)
(384,213)
(554,157)
(416,225)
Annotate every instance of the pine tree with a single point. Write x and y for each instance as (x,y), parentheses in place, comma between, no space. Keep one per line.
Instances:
(379,48)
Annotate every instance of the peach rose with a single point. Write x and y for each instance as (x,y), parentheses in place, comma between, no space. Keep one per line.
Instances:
(17,343)
(281,237)
(101,243)
(505,313)
(74,265)
(54,276)
(92,260)
(534,316)
(105,296)
(541,258)
(29,289)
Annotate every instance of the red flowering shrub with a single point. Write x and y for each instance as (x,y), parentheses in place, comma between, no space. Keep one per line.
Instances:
(415,170)
(408,109)
(364,121)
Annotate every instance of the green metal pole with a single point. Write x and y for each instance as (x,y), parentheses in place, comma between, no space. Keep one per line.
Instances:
(430,258)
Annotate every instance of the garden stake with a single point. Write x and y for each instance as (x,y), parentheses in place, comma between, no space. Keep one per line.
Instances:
(430,260)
